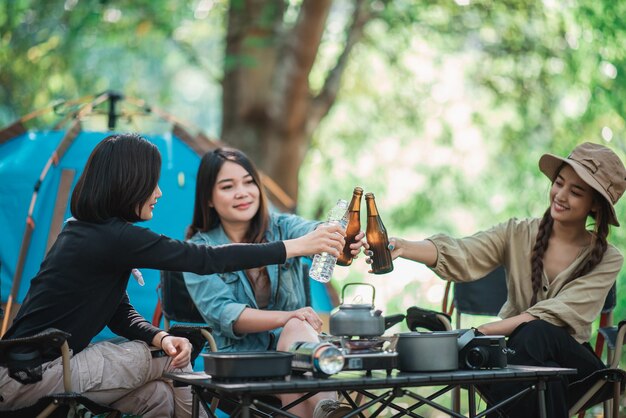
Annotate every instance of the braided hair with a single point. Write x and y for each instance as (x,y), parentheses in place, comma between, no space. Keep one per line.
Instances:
(598,242)
(541,245)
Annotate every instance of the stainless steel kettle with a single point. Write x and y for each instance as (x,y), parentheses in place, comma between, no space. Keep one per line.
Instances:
(357,319)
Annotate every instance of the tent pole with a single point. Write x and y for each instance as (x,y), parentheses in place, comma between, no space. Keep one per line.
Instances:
(60,206)
(17,277)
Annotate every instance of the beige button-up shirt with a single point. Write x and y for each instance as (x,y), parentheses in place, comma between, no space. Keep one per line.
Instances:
(574,305)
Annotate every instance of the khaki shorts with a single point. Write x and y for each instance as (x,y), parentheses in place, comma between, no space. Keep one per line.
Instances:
(108,370)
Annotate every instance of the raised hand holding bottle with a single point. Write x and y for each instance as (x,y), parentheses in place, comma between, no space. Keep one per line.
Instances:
(353,227)
(324,263)
(377,239)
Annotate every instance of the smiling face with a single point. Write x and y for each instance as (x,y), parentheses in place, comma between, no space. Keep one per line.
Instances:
(146,209)
(235,196)
(571,198)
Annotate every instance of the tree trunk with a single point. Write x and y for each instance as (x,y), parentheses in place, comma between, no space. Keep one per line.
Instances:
(269,111)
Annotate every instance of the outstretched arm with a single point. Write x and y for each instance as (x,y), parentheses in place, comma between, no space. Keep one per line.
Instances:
(423,251)
(326,238)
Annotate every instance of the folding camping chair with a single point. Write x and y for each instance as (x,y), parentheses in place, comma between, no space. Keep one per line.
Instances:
(486,296)
(613,377)
(482,297)
(176,305)
(21,357)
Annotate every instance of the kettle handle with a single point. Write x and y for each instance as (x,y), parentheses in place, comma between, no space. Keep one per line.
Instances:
(343,290)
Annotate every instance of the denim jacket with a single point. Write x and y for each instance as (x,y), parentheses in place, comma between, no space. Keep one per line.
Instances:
(221,298)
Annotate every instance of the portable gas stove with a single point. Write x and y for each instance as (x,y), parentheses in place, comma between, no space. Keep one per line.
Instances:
(376,353)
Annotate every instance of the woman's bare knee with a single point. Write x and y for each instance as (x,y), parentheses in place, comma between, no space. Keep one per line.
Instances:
(295,330)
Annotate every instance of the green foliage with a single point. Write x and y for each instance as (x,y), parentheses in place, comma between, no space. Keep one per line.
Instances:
(456,104)
(68,49)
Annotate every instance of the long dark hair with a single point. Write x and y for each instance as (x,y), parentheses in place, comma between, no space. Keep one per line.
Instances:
(598,242)
(205,217)
(119,177)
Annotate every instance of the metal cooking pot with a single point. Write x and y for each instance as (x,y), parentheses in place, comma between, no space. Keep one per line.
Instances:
(357,319)
(428,351)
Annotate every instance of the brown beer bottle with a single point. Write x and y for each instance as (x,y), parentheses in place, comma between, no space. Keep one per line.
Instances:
(377,238)
(353,227)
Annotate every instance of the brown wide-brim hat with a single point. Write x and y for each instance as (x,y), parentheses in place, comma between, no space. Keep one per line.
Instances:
(597,166)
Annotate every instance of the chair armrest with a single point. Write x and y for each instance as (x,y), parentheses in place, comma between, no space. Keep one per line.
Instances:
(610,336)
(24,356)
(50,338)
(595,388)
(614,337)
(198,336)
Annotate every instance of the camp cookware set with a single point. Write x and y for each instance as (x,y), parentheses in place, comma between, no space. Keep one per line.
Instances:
(357,331)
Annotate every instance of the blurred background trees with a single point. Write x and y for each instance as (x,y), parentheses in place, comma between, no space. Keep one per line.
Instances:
(441,109)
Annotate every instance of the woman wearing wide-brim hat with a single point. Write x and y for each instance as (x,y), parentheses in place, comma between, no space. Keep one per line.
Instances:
(559,272)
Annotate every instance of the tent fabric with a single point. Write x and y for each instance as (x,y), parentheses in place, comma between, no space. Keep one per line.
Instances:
(21,162)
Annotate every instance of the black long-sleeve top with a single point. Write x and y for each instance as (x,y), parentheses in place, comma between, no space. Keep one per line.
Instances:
(81,285)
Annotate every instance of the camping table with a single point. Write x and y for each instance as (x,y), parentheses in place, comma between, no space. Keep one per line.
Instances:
(353,383)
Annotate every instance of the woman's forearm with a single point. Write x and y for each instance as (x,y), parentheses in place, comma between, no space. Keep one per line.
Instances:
(505,326)
(423,251)
(256,320)
(325,238)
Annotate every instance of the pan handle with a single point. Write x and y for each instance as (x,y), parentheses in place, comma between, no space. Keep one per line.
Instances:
(392,320)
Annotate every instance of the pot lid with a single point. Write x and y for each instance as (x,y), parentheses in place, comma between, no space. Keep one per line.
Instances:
(431,334)
(356,306)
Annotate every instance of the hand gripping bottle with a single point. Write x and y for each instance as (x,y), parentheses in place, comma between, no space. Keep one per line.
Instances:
(353,227)
(324,263)
(376,235)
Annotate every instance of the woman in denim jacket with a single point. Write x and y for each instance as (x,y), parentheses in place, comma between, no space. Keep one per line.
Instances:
(257,309)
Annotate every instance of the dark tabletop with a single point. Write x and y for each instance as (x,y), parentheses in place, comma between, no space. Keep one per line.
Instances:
(351,380)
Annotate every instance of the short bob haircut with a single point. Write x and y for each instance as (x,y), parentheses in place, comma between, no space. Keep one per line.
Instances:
(205,218)
(119,177)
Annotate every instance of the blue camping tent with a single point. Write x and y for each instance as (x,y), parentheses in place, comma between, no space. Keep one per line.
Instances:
(38,170)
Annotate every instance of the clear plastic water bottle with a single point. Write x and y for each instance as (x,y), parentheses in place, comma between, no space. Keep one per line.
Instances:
(324,263)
